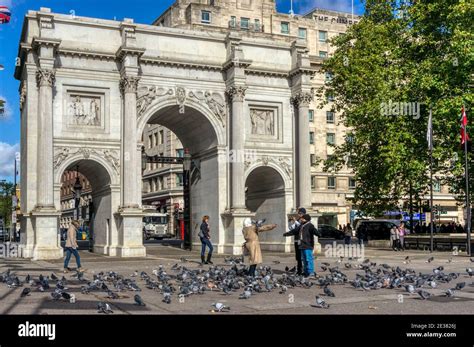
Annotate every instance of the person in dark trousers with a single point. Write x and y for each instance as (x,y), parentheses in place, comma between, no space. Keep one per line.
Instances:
(295,231)
(205,236)
(347,234)
(306,245)
(71,247)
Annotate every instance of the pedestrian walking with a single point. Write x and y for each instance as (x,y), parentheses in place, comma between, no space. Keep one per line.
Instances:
(71,247)
(294,230)
(252,244)
(347,234)
(401,233)
(307,233)
(205,237)
(394,238)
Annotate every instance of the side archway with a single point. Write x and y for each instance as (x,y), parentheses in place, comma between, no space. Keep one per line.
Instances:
(266,195)
(105,198)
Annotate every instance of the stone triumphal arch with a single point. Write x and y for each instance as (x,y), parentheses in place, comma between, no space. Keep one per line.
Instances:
(89,87)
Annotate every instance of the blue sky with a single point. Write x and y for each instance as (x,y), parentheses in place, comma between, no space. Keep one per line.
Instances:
(142,11)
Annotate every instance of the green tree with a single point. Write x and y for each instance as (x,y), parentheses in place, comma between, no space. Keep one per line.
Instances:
(6,192)
(401,52)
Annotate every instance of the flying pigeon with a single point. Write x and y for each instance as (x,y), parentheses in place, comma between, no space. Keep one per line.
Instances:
(321,303)
(103,307)
(220,307)
(138,300)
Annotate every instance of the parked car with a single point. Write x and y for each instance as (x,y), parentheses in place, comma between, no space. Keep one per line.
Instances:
(328,231)
(4,234)
(375,229)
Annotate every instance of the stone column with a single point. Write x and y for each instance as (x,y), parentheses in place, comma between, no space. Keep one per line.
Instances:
(236,96)
(130,159)
(45,79)
(301,102)
(130,240)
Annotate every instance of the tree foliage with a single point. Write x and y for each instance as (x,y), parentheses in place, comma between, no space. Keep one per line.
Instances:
(402,52)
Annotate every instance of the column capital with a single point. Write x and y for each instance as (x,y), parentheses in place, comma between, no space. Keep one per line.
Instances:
(236,93)
(45,77)
(129,84)
(302,98)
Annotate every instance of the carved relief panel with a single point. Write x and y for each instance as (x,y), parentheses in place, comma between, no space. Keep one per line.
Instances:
(85,109)
(264,122)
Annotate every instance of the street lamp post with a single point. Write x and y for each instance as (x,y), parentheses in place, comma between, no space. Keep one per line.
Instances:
(187,199)
(77,193)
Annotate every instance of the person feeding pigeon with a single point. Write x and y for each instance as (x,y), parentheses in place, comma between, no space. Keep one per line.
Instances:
(71,247)
(252,244)
(306,243)
(294,230)
(205,236)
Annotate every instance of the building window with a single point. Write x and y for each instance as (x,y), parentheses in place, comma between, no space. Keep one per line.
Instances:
(285,28)
(436,186)
(311,138)
(329,117)
(179,180)
(312,159)
(302,33)
(323,36)
(313,182)
(330,97)
(311,115)
(331,138)
(323,54)
(244,23)
(257,25)
(352,183)
(233,22)
(328,76)
(205,17)
(180,152)
(161,137)
(331,182)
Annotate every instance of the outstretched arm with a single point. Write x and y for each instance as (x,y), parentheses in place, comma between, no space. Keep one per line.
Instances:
(267,227)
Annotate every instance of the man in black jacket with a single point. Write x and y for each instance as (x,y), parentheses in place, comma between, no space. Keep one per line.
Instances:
(295,231)
(306,243)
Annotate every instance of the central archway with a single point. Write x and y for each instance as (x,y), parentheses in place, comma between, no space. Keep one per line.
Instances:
(199,131)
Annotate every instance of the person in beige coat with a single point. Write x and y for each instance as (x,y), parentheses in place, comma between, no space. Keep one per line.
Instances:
(71,247)
(252,243)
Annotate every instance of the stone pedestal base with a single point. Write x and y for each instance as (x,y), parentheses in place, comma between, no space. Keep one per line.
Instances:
(233,224)
(47,239)
(130,235)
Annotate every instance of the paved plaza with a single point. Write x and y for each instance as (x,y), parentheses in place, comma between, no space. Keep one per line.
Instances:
(298,300)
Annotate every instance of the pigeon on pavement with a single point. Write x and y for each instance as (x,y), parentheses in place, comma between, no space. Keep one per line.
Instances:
(321,303)
(138,300)
(103,307)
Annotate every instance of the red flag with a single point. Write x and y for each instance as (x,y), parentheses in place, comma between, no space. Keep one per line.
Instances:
(464,135)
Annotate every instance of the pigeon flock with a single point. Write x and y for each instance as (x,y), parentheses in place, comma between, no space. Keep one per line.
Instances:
(232,279)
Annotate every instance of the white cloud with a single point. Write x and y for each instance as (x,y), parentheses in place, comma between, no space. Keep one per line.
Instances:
(304,6)
(7,158)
